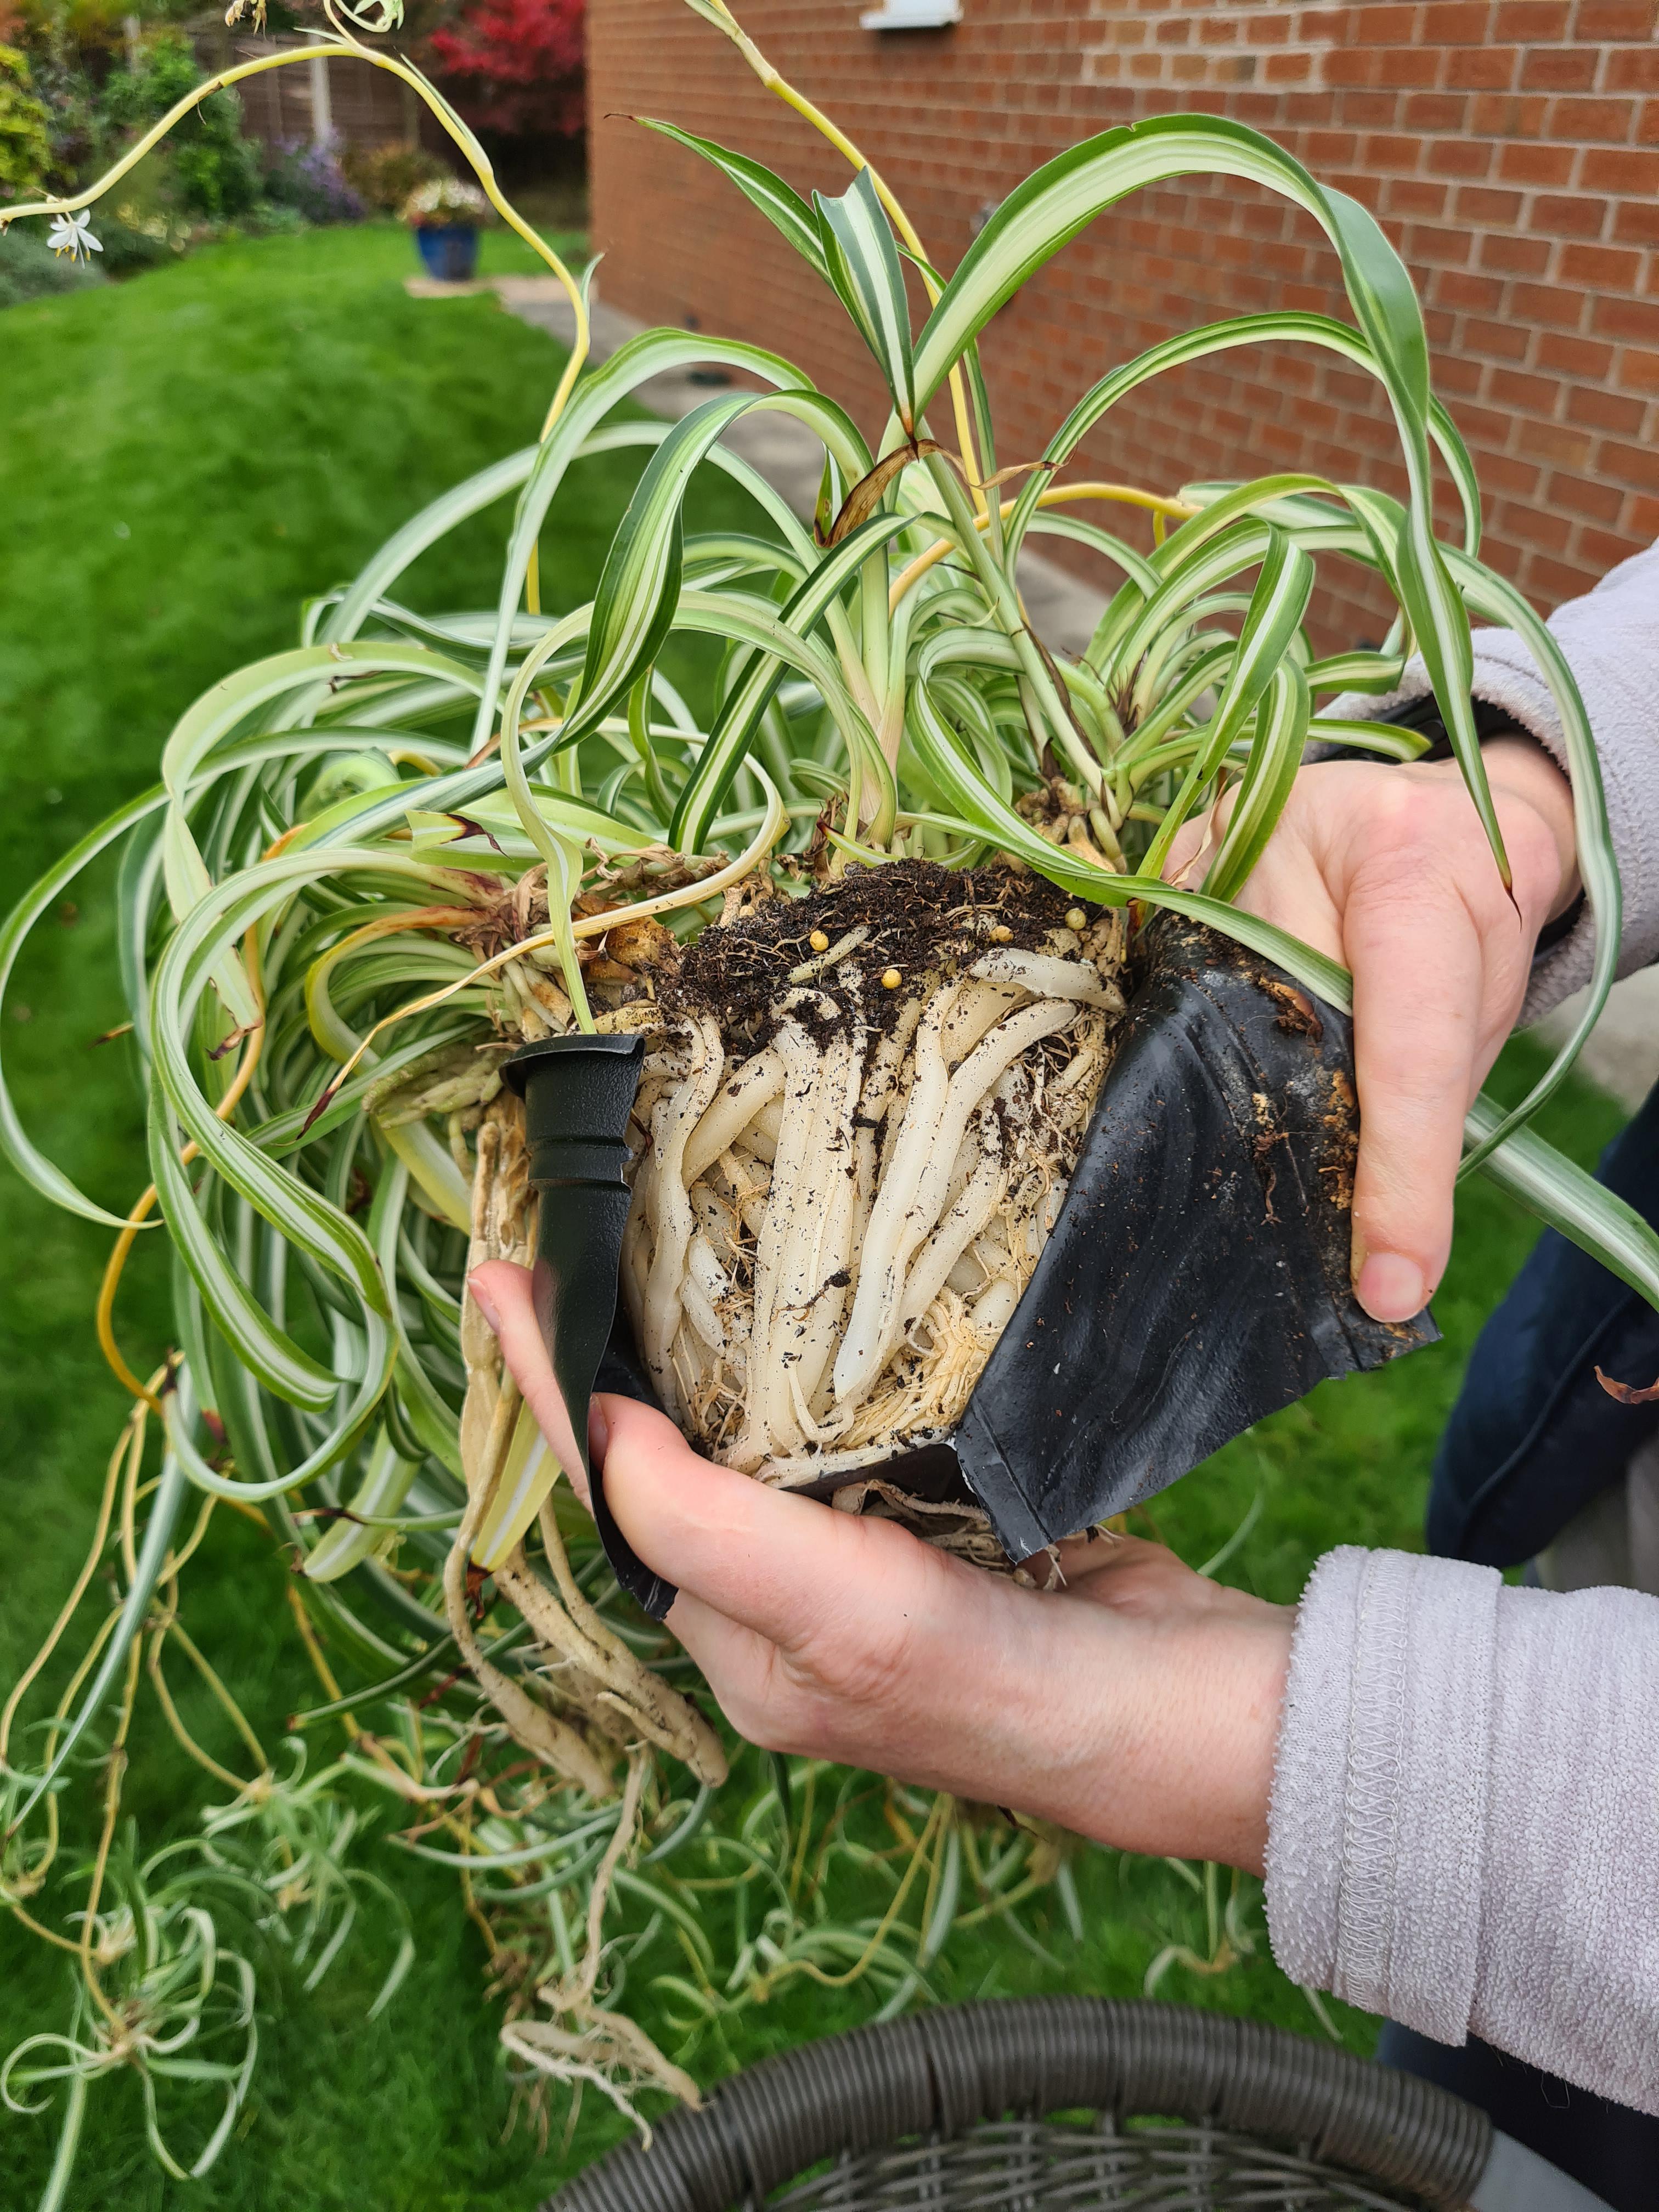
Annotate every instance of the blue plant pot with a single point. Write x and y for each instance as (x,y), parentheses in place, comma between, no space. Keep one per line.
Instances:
(451,253)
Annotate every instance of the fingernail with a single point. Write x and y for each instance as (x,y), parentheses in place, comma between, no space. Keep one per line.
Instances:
(1390,1287)
(598,1433)
(484,1303)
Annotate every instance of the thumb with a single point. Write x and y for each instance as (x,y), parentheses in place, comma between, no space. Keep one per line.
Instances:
(1418,966)
(780,1566)
(503,1294)
(754,1553)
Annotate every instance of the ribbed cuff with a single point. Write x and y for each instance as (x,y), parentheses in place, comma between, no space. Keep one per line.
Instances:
(1377,1837)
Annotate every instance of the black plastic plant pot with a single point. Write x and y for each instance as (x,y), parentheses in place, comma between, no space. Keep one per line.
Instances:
(578,1093)
(1197,1277)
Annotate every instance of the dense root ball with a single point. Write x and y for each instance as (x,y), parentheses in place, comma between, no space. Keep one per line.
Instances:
(857,1117)
(852,1136)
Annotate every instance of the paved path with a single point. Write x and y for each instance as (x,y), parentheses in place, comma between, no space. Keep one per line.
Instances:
(1623,1052)
(1623,1055)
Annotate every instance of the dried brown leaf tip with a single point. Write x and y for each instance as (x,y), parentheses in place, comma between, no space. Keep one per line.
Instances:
(866,495)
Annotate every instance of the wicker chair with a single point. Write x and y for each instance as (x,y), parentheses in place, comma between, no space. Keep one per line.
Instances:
(1073,2103)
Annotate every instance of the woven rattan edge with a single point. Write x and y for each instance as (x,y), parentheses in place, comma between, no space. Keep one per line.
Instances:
(941,2071)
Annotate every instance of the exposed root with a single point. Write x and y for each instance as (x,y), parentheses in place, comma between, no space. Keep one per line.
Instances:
(830,1232)
(912,1193)
(565,1623)
(529,1722)
(667,1207)
(855,1120)
(603,1693)
(585,2042)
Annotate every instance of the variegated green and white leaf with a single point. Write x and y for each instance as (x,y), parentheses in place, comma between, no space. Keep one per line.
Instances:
(1565,1198)
(739,717)
(862,260)
(1281,729)
(385,1484)
(782,205)
(653,353)
(1598,869)
(280,1365)
(1277,606)
(1067,194)
(965,790)
(1279,329)
(30,1163)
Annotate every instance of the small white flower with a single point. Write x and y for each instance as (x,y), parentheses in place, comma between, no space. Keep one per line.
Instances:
(72,234)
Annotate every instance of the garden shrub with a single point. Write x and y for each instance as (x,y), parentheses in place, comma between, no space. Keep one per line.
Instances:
(215,168)
(29,268)
(147,226)
(271,218)
(310,180)
(76,134)
(25,142)
(134,240)
(384,176)
(516,65)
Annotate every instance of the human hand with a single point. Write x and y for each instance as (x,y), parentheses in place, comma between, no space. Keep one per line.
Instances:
(1386,868)
(1136,1703)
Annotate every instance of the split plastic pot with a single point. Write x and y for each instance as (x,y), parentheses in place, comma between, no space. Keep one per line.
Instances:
(1197,1277)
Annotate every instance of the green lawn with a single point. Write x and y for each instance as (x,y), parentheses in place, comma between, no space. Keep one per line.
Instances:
(181,460)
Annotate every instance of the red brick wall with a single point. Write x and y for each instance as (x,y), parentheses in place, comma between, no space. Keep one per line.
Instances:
(1509,147)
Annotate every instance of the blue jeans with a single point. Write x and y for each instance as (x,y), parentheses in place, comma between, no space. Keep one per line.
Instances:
(1532,1440)
(1609,2149)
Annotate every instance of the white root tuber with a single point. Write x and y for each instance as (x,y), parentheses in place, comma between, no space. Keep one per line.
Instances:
(874,1294)
(765,1133)
(812,1313)
(991,1310)
(789,1240)
(963,1222)
(755,1084)
(1046,977)
(829,1234)
(674,1120)
(821,963)
(913,1188)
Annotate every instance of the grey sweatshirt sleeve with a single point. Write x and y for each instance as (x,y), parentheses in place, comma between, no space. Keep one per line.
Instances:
(1464,1831)
(1611,640)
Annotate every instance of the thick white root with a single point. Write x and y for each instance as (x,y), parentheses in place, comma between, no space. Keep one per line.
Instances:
(1046,977)
(829,1236)
(912,1192)
(672,1223)
(755,1085)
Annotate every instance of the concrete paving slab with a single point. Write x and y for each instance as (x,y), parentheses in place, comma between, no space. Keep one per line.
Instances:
(439,287)
(1622,1055)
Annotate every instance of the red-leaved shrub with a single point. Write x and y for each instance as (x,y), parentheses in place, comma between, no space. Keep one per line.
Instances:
(515,65)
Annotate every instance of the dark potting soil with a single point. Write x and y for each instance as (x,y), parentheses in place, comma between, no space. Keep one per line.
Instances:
(926,924)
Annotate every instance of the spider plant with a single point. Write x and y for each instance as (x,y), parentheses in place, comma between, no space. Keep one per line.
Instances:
(376,861)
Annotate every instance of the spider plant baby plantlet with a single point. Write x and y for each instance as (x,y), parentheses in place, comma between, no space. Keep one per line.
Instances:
(866,917)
